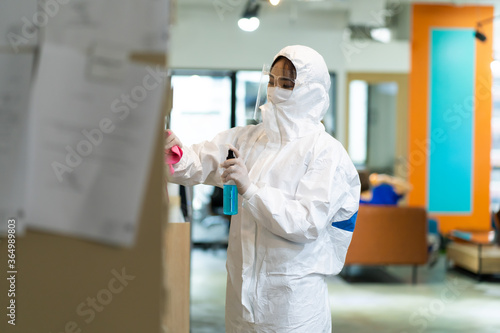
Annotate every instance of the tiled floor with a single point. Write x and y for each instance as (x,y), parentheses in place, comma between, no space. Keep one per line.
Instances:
(374,299)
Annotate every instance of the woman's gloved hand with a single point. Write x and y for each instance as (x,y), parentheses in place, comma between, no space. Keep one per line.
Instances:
(173,152)
(171,140)
(236,171)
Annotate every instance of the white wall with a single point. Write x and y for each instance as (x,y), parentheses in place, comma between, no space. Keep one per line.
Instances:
(205,38)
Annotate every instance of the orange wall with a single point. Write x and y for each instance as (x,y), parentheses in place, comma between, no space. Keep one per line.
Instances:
(424,18)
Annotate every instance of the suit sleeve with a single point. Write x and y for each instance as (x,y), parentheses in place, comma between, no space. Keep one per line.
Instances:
(200,162)
(327,193)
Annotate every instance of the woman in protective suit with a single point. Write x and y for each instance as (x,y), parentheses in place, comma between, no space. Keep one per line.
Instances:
(299,196)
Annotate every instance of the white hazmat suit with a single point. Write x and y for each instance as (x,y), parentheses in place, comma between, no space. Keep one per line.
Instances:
(295,221)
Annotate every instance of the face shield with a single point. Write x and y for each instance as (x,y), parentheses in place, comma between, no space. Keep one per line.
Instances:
(277,85)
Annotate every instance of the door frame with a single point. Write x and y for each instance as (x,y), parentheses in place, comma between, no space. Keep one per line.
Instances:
(401,80)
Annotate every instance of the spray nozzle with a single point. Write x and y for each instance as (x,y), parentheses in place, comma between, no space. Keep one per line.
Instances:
(230,154)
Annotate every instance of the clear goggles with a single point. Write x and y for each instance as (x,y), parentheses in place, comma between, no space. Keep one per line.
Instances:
(278,78)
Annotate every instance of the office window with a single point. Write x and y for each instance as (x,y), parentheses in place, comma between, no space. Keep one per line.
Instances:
(201,109)
(372,125)
(202,106)
(495,146)
(358,122)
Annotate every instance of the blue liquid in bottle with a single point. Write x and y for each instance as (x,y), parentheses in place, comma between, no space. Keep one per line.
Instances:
(230,200)
(230,203)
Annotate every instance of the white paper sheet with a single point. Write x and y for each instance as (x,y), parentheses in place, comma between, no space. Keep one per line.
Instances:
(18,24)
(15,78)
(136,25)
(91,185)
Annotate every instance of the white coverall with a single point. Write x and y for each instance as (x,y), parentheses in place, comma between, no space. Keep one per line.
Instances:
(295,221)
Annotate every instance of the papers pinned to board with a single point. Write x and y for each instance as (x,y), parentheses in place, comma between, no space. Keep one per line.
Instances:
(77,141)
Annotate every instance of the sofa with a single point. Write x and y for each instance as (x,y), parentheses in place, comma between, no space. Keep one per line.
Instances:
(389,235)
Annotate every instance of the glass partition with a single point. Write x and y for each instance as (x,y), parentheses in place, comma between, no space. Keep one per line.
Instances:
(202,107)
(495,146)
(372,125)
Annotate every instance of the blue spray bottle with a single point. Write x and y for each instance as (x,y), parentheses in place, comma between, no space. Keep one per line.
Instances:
(230,193)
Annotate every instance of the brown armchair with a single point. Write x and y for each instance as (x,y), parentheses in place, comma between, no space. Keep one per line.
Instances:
(389,235)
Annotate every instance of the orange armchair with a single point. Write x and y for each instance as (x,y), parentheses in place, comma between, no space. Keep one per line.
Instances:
(389,235)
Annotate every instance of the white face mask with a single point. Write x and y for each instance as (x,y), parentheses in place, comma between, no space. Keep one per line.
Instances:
(277,95)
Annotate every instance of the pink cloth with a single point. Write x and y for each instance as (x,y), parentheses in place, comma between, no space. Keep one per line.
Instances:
(172,156)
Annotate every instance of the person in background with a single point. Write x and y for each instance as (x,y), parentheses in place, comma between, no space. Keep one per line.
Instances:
(380,189)
(298,201)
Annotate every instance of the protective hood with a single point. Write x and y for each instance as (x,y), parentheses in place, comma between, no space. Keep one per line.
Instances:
(302,113)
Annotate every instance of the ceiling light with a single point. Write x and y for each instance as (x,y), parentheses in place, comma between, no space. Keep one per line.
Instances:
(381,34)
(274,2)
(248,24)
(249,20)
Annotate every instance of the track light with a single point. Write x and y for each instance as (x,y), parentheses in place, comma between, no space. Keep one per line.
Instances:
(249,20)
(479,35)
